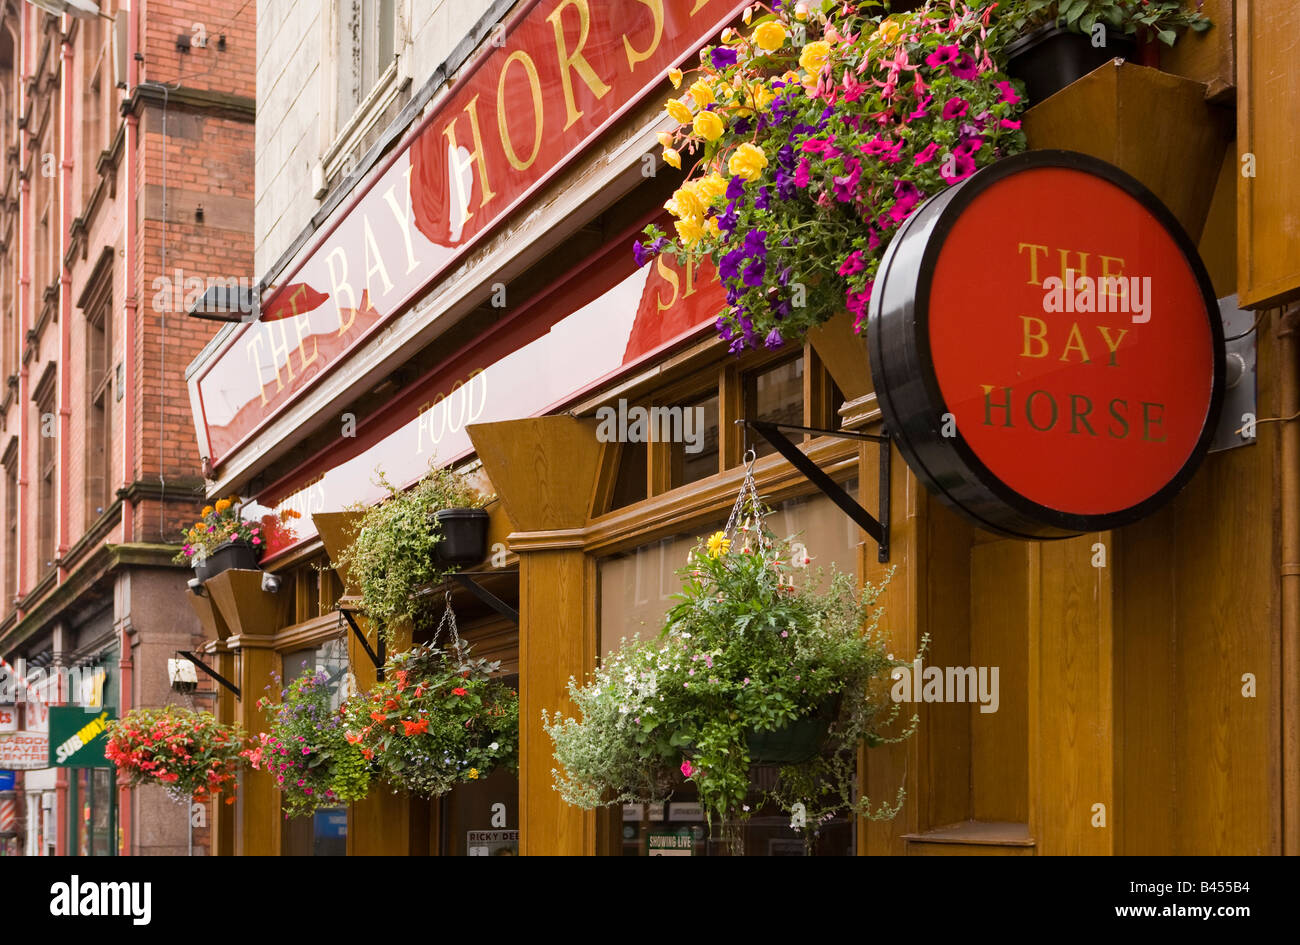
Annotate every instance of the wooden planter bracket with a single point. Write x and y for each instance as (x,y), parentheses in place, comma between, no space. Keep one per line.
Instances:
(220,680)
(466,580)
(877,528)
(377,659)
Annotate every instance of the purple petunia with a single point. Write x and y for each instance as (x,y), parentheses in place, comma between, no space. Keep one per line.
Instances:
(724,57)
(955,108)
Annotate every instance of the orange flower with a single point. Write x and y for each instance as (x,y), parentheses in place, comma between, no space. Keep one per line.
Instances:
(413,728)
(391,704)
(378,716)
(458,691)
(352,739)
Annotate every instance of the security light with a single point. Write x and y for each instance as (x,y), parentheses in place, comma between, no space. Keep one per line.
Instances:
(182,676)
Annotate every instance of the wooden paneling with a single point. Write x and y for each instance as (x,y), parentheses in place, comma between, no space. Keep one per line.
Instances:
(1268,103)
(886,767)
(1146,798)
(1218,246)
(999,637)
(258,816)
(1071,698)
(1209,57)
(525,459)
(245,607)
(1157,127)
(973,838)
(210,619)
(337,531)
(1228,623)
(845,355)
(945,787)
(546,471)
(556,641)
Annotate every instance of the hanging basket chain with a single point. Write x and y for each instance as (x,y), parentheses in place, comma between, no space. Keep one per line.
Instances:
(748,507)
(448,621)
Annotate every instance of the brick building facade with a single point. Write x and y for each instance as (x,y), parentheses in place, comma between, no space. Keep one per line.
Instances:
(126,190)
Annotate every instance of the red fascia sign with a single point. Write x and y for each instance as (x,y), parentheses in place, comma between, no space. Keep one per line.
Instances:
(600,321)
(561,73)
(1046,347)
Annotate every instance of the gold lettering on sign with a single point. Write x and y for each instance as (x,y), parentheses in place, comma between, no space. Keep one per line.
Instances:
(535,85)
(374,259)
(304,328)
(1081,269)
(458,166)
(252,348)
(1114,286)
(339,286)
(1033,260)
(1112,346)
(633,56)
(403,218)
(1074,342)
(1038,337)
(575,61)
(670,276)
(699,5)
(279,353)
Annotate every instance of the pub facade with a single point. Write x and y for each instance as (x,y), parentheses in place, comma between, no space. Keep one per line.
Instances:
(444,241)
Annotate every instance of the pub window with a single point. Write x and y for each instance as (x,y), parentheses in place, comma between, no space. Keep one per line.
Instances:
(634,593)
(99,405)
(631,483)
(46,462)
(325,832)
(694,454)
(775,393)
(365,34)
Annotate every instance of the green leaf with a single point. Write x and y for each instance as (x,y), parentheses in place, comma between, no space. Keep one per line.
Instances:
(1167,37)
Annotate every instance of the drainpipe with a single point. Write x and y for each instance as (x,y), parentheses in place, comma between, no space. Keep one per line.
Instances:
(65,297)
(1289,385)
(24,308)
(130,229)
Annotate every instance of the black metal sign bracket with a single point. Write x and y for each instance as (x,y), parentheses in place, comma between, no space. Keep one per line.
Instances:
(877,528)
(220,680)
(377,659)
(466,580)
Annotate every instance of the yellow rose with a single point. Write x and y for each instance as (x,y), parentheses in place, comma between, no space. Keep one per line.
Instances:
(675,77)
(664,139)
(711,225)
(207,510)
(747,161)
(689,201)
(712,187)
(672,158)
(887,32)
(769,36)
(763,96)
(708,126)
(702,92)
(679,110)
(814,56)
(222,505)
(690,231)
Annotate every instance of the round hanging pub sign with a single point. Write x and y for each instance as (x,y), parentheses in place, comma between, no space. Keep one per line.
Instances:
(1046,347)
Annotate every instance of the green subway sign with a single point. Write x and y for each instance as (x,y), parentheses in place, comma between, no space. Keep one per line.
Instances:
(77,737)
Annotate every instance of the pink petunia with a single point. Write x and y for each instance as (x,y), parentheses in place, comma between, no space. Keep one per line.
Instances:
(1009,93)
(802,173)
(955,108)
(942,56)
(926,154)
(853,263)
(1009,124)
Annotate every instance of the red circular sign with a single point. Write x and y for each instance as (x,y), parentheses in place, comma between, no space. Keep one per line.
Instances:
(1046,347)
(1087,412)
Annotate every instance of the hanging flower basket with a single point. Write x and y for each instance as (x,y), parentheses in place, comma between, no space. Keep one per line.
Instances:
(438,719)
(795,743)
(188,752)
(1052,57)
(463,538)
(756,662)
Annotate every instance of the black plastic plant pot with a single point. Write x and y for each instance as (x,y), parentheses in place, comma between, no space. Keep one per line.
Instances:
(202,570)
(235,554)
(795,743)
(464,536)
(1051,57)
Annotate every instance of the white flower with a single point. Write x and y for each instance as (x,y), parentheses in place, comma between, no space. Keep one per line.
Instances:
(493,747)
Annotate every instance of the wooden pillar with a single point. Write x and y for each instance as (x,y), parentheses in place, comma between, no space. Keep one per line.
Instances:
(545,471)
(253,617)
